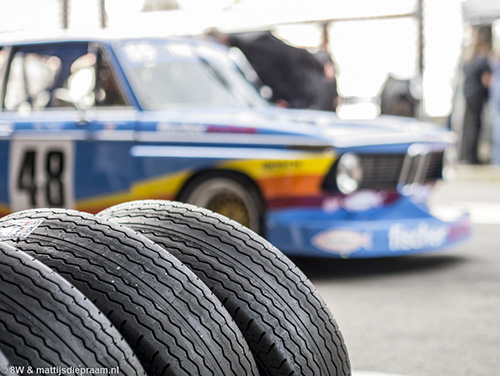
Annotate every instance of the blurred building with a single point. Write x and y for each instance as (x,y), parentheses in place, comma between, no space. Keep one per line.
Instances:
(410,40)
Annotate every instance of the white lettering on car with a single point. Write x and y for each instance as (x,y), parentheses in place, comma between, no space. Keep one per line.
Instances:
(181,128)
(403,238)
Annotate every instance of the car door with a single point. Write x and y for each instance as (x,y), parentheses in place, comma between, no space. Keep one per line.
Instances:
(66,128)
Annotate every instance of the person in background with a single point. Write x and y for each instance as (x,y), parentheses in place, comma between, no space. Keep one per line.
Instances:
(477,74)
(495,108)
(329,99)
(297,78)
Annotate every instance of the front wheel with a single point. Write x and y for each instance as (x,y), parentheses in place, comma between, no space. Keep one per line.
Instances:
(227,196)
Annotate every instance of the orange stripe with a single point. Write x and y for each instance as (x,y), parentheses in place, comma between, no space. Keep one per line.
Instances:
(291,186)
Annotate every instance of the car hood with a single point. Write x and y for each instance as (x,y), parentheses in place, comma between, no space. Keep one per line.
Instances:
(301,127)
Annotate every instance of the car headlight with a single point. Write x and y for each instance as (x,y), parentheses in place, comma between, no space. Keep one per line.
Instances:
(349,173)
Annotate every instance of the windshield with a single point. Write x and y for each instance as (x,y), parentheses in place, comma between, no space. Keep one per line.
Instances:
(169,74)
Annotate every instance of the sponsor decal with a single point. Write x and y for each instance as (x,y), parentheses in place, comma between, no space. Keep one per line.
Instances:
(282,165)
(343,241)
(363,200)
(19,229)
(181,128)
(403,238)
(230,129)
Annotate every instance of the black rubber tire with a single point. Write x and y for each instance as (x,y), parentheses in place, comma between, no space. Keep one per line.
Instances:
(172,321)
(284,320)
(46,322)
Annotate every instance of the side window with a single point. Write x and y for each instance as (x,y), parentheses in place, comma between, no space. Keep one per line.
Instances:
(3,61)
(107,89)
(92,81)
(60,75)
(30,80)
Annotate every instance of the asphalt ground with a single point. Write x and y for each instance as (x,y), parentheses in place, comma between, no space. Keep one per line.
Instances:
(425,315)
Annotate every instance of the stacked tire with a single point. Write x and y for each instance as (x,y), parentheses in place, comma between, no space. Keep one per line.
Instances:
(156,288)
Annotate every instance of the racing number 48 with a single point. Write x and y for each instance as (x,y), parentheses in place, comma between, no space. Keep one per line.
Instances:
(41,174)
(54,185)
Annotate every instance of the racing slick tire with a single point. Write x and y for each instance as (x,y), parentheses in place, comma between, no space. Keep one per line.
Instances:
(45,322)
(284,320)
(228,195)
(172,321)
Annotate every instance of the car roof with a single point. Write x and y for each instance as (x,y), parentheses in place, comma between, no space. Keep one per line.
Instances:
(103,36)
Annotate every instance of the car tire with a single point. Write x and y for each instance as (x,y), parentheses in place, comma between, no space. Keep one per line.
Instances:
(228,195)
(172,321)
(45,322)
(284,320)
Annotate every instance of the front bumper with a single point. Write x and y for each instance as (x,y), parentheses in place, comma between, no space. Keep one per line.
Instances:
(401,228)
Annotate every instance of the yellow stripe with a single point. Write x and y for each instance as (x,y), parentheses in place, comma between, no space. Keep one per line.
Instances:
(311,164)
(168,185)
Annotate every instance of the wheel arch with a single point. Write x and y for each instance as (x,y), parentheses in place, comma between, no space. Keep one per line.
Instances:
(240,177)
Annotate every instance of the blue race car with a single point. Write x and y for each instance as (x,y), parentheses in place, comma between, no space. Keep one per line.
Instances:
(89,122)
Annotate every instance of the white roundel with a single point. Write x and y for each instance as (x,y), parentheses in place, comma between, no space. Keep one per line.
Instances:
(343,241)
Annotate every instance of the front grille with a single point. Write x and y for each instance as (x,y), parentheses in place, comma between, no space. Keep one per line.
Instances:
(381,171)
(434,167)
(422,168)
(392,171)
